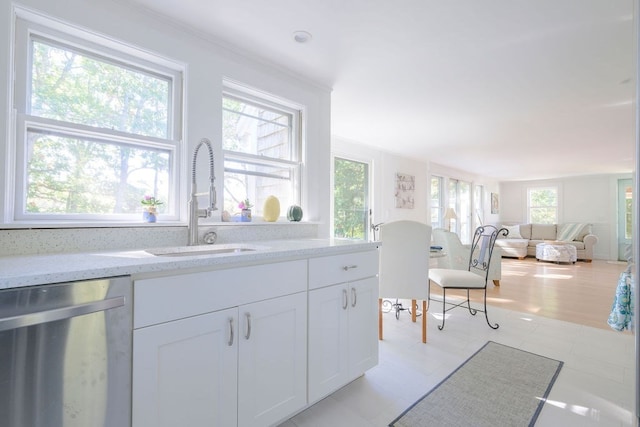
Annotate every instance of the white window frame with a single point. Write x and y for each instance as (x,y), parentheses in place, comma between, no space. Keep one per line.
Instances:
(438,210)
(242,92)
(556,207)
(29,24)
(478,206)
(462,208)
(369,232)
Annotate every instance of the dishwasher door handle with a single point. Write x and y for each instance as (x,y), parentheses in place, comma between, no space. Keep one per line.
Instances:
(47,316)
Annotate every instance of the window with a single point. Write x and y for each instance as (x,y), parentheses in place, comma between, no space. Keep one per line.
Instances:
(543,205)
(97,128)
(460,201)
(261,146)
(350,199)
(478,206)
(436,202)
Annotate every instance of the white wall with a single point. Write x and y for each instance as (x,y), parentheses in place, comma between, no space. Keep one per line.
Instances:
(489,185)
(206,63)
(591,199)
(385,165)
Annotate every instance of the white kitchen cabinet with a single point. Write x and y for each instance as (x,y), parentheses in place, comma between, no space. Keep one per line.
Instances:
(272,374)
(363,322)
(197,362)
(185,372)
(343,304)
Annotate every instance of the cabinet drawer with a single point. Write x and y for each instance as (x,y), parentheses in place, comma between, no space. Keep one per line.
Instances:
(164,299)
(324,271)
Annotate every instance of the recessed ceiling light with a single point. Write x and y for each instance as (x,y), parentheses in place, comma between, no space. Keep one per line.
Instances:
(301,36)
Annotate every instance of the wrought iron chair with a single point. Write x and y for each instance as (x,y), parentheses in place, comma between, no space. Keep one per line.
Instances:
(456,255)
(475,276)
(404,266)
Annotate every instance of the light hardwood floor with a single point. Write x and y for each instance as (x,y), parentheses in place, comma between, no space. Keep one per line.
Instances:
(579,293)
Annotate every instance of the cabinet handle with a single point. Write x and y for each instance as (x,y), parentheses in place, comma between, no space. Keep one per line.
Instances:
(345,301)
(248,333)
(354,297)
(349,267)
(230,342)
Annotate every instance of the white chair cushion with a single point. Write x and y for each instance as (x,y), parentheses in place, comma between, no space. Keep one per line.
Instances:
(449,278)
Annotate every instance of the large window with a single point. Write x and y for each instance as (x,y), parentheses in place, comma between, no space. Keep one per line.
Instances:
(543,205)
(460,202)
(437,201)
(262,146)
(97,128)
(478,206)
(350,199)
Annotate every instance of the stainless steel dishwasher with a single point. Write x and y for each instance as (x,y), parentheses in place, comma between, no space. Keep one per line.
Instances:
(65,354)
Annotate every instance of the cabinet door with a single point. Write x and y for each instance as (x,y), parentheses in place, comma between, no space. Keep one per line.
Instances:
(272,367)
(184,372)
(363,321)
(328,334)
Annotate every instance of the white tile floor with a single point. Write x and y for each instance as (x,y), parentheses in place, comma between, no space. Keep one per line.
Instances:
(595,385)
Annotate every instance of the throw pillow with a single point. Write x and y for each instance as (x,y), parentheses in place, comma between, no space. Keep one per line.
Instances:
(571,231)
(514,231)
(585,230)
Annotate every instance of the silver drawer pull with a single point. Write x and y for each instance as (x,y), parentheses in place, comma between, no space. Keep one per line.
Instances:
(248,333)
(230,342)
(349,267)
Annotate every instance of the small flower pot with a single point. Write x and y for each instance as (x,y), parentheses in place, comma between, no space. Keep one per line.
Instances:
(149,215)
(245,215)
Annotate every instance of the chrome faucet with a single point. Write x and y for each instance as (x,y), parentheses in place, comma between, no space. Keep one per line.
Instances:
(194,212)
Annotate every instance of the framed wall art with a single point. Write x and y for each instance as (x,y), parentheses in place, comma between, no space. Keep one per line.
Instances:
(495,203)
(404,191)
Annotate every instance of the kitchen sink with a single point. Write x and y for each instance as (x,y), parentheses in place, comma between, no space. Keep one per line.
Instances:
(182,251)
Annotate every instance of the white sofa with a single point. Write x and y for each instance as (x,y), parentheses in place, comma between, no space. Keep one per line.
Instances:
(522,239)
(456,255)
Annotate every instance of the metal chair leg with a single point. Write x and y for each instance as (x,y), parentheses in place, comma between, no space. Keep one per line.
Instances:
(471,310)
(444,299)
(486,315)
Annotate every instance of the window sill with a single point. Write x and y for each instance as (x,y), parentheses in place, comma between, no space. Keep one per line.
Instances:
(50,225)
(134,224)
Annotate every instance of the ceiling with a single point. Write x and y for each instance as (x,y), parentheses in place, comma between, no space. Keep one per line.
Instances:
(510,90)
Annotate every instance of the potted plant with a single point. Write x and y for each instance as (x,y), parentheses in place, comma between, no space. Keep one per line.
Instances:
(150,212)
(245,208)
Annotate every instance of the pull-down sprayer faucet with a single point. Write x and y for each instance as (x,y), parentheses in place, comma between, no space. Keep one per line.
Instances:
(194,212)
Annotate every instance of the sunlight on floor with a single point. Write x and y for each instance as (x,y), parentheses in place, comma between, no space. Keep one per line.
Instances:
(554,276)
(555,403)
(514,273)
(576,409)
(499,300)
(438,316)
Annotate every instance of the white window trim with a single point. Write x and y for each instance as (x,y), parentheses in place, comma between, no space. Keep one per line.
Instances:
(26,23)
(371,216)
(235,89)
(441,199)
(543,187)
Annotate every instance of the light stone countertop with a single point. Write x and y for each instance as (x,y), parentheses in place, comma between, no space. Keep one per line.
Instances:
(19,271)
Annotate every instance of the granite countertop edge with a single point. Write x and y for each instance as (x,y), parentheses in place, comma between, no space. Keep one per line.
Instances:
(31,270)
